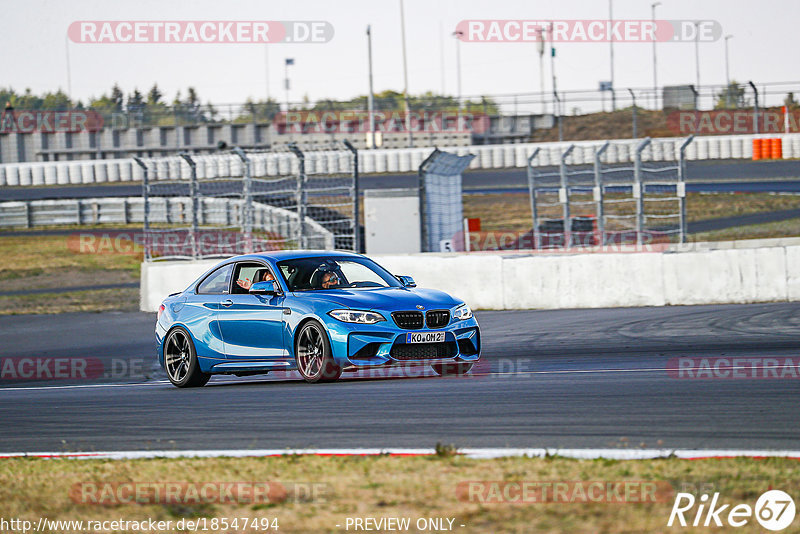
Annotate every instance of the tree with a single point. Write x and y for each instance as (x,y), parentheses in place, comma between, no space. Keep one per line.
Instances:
(732,96)
(261,110)
(789,101)
(135,101)
(154,95)
(58,101)
(117,97)
(27,101)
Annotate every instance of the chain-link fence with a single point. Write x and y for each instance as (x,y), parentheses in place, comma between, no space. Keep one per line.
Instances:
(608,203)
(240,202)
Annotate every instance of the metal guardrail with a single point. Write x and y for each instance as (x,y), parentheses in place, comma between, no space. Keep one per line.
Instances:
(163,210)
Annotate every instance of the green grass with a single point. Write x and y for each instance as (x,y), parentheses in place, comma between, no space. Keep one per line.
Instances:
(381,486)
(787,228)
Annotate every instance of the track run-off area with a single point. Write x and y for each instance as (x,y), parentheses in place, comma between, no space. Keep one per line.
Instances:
(688,377)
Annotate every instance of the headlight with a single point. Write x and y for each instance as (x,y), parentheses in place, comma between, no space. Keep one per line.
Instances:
(360,317)
(462,312)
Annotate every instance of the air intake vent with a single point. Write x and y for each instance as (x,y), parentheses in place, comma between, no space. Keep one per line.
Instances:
(423,351)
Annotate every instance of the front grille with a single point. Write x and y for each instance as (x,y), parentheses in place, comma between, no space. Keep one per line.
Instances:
(423,351)
(410,320)
(437,318)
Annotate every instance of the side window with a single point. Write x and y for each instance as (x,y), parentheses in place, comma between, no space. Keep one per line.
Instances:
(247,274)
(218,282)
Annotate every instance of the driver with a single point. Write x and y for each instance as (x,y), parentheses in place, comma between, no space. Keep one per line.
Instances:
(330,280)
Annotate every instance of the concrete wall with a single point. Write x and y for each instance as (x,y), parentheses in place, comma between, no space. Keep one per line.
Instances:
(708,274)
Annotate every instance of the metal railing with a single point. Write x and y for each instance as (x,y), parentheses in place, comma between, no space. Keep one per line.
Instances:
(322,199)
(605,202)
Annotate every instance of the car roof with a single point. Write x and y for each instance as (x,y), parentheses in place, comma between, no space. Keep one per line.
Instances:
(280,255)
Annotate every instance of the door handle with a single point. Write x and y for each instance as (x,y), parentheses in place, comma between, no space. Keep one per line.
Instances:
(227,302)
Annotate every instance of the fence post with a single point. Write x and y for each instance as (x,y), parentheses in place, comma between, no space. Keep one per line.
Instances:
(563,196)
(638,189)
(599,194)
(423,219)
(356,194)
(532,194)
(681,187)
(300,195)
(247,216)
(145,208)
(192,201)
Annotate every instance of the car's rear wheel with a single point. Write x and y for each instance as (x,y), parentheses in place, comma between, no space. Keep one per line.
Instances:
(451,369)
(180,360)
(313,354)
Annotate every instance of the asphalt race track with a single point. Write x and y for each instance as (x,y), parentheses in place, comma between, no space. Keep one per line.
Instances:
(566,378)
(706,176)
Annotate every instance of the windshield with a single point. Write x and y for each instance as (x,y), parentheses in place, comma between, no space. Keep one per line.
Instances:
(330,273)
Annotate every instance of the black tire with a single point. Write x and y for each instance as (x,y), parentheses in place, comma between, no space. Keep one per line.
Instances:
(451,369)
(313,354)
(180,360)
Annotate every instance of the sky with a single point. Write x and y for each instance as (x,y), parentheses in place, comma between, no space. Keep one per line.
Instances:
(33,48)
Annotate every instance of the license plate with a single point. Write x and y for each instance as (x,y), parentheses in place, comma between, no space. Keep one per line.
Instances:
(424,337)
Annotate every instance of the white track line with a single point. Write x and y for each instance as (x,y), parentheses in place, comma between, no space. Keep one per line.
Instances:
(481,453)
(553,372)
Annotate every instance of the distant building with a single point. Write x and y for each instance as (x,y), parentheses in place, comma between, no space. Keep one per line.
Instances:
(679,97)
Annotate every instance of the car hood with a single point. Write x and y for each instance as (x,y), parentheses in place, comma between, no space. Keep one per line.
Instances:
(385,298)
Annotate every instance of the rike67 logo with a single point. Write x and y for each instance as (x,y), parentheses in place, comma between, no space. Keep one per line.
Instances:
(774,510)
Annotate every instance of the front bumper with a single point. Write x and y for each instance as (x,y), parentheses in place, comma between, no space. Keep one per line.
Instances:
(384,343)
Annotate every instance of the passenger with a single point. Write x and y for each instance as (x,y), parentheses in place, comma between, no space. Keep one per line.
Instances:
(247,284)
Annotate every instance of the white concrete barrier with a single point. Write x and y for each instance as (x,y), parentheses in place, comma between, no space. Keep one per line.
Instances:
(87,173)
(125,171)
(159,279)
(792,273)
(113,171)
(75,173)
(481,282)
(37,173)
(51,174)
(407,160)
(705,273)
(380,161)
(25,175)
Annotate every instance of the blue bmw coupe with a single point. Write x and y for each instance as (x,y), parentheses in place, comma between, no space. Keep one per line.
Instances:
(321,313)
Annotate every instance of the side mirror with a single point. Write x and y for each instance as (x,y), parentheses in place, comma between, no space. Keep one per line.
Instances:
(266,288)
(407,281)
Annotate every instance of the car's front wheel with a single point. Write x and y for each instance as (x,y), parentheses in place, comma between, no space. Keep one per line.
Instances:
(313,353)
(180,360)
(451,369)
